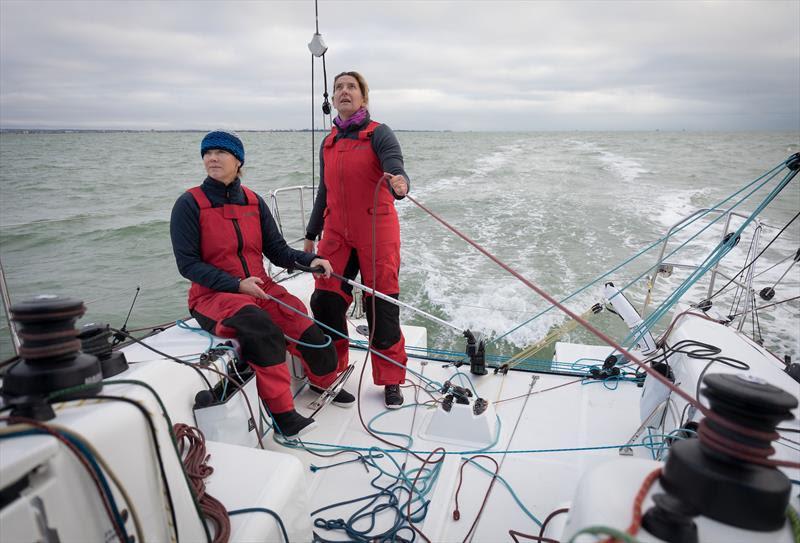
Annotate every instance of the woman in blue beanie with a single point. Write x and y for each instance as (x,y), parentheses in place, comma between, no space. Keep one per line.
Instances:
(220,231)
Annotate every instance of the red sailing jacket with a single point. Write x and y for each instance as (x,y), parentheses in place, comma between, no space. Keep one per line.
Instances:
(351,171)
(230,239)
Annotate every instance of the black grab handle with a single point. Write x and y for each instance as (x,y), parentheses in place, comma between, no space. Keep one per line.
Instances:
(315,269)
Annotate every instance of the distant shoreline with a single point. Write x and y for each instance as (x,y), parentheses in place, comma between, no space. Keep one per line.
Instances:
(148,131)
(306,130)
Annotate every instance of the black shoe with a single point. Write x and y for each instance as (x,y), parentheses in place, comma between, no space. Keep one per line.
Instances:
(342,399)
(392,396)
(292,423)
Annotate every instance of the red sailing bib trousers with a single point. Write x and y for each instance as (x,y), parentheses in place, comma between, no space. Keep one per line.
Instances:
(231,240)
(352,170)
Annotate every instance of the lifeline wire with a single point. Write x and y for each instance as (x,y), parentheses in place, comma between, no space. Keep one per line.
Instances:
(716,255)
(769,175)
(655,374)
(757,257)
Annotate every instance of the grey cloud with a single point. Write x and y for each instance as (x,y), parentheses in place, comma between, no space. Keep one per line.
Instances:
(437,65)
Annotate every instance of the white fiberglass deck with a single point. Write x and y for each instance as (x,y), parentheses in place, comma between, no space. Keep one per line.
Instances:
(574,416)
(564,428)
(542,466)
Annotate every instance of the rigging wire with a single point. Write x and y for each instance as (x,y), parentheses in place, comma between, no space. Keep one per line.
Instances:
(759,308)
(715,256)
(767,246)
(795,260)
(721,250)
(655,374)
(313,129)
(788,257)
(769,175)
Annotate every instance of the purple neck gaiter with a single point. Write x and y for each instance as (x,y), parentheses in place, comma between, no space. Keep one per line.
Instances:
(355,119)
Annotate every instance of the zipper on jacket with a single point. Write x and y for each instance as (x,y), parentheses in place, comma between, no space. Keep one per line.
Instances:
(239,246)
(343,192)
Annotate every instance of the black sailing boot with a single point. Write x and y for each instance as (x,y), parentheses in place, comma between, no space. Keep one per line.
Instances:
(292,423)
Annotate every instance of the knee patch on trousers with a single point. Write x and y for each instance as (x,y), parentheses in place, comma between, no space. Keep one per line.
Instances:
(261,339)
(387,323)
(320,361)
(330,309)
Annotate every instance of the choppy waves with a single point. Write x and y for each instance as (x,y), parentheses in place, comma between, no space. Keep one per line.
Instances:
(561,209)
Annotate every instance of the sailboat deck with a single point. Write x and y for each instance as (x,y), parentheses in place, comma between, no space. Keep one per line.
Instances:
(546,435)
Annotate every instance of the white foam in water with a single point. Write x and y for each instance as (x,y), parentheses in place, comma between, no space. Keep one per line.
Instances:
(494,161)
(424,188)
(627,168)
(560,208)
(678,204)
(483,166)
(493,308)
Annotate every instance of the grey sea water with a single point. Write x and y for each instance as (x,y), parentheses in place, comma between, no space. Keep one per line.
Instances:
(87,215)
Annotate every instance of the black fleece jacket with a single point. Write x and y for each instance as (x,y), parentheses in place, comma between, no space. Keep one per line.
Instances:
(184,229)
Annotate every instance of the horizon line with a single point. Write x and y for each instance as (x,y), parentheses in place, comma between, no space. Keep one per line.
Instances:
(252,130)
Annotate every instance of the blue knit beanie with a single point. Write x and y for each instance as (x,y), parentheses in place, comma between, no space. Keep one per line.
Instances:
(225,140)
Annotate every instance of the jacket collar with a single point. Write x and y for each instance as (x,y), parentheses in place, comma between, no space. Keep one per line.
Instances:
(219,192)
(355,127)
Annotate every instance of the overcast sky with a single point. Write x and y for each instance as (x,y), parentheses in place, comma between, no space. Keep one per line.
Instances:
(467,65)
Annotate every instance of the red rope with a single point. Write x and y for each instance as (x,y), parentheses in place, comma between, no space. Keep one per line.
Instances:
(640,496)
(550,517)
(636,522)
(456,512)
(650,371)
(756,455)
(196,465)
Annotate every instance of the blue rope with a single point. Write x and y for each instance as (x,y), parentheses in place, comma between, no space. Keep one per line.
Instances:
(722,249)
(263,510)
(407,437)
(391,493)
(182,325)
(508,487)
(311,345)
(333,447)
(656,448)
(612,381)
(462,377)
(87,454)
